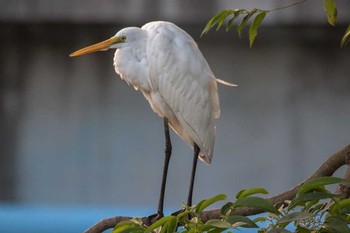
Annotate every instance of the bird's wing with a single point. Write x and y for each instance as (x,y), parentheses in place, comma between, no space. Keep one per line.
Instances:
(181,76)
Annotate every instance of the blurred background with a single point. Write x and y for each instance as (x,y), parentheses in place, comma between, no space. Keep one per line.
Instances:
(78,144)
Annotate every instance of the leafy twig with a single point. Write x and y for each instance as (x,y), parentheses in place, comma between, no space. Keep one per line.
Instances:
(287,6)
(332,164)
(230,16)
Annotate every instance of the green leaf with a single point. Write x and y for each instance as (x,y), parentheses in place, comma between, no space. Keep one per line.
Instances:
(342,206)
(235,13)
(244,21)
(331,11)
(218,223)
(210,201)
(336,225)
(346,38)
(171,226)
(260,219)
(230,22)
(295,217)
(199,204)
(309,197)
(257,202)
(128,226)
(213,21)
(122,223)
(163,229)
(207,228)
(160,222)
(242,221)
(222,18)
(183,213)
(319,182)
(226,209)
(128,229)
(318,208)
(253,30)
(120,228)
(251,191)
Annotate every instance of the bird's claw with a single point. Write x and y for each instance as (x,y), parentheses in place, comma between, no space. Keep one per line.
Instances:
(152,218)
(177,212)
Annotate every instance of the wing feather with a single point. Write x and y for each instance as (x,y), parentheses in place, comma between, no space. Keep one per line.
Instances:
(184,88)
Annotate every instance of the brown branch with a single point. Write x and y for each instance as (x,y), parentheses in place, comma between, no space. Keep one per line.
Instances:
(344,189)
(106,224)
(332,164)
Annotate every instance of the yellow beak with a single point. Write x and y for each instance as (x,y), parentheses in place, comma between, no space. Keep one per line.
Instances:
(102,46)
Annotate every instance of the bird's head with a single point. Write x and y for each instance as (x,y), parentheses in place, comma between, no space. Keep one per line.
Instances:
(123,38)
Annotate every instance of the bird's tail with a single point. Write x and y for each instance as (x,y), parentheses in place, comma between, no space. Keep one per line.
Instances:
(225,83)
(204,158)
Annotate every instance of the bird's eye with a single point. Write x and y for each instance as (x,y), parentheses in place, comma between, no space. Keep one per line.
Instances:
(123,38)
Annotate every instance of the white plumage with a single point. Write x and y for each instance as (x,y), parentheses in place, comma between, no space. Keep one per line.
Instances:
(164,63)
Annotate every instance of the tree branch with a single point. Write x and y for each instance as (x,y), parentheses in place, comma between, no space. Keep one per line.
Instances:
(332,164)
(106,224)
(344,189)
(290,5)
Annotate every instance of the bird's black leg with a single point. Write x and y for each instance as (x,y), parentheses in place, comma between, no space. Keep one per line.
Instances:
(167,151)
(193,174)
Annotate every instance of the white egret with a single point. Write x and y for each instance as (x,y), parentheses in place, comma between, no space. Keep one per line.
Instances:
(164,63)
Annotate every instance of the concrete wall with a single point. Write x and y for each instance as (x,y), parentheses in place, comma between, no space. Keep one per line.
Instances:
(180,11)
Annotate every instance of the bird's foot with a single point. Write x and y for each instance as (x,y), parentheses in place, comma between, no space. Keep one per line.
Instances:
(177,212)
(153,218)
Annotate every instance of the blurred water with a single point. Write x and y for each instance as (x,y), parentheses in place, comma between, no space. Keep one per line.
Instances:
(57,218)
(69,219)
